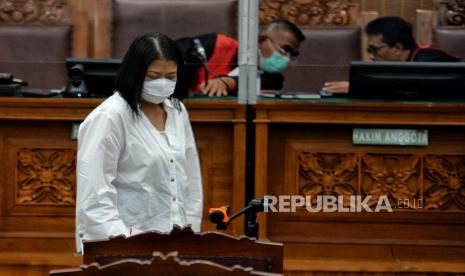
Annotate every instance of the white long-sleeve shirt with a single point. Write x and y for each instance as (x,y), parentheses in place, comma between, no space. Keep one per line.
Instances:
(131,176)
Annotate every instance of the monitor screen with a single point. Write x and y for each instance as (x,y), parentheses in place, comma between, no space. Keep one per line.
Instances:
(99,74)
(407,80)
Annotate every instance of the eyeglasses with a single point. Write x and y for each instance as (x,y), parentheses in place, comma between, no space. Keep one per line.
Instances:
(373,50)
(286,50)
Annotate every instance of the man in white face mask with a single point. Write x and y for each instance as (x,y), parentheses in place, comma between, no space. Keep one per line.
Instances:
(278,44)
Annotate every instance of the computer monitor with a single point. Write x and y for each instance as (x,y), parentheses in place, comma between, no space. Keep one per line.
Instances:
(407,80)
(99,75)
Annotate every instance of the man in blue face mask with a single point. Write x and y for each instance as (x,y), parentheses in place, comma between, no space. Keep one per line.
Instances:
(278,45)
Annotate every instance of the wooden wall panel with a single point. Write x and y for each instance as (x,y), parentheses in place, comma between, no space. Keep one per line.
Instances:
(16,270)
(102,29)
(369,5)
(310,152)
(36,197)
(394,7)
(92,18)
(335,12)
(214,142)
(310,13)
(403,8)
(295,11)
(39,170)
(36,12)
(37,175)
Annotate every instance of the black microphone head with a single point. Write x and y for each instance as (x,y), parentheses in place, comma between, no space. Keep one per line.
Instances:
(200,50)
(216,216)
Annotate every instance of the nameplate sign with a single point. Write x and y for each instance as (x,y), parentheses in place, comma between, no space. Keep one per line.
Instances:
(390,137)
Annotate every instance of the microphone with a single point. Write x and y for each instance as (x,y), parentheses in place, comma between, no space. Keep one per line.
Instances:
(198,46)
(219,215)
(6,78)
(203,56)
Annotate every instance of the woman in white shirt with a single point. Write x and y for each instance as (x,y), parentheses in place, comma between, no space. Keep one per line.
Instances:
(137,163)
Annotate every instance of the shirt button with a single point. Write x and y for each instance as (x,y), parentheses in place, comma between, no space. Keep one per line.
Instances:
(171,161)
(174,199)
(172,179)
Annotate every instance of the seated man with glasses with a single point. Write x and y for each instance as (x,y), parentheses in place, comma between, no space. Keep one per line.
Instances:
(391,38)
(211,59)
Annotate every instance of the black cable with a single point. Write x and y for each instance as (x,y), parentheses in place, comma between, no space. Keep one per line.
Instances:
(203,57)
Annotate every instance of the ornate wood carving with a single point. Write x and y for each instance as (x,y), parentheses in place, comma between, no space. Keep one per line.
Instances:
(32,11)
(309,12)
(328,174)
(410,181)
(452,12)
(261,255)
(445,182)
(396,176)
(46,176)
(159,264)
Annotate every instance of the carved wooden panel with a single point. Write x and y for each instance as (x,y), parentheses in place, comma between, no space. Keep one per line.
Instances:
(40,176)
(416,182)
(395,176)
(33,11)
(302,138)
(46,176)
(157,264)
(452,12)
(309,12)
(328,174)
(209,246)
(444,182)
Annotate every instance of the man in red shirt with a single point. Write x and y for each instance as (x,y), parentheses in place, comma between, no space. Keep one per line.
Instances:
(211,59)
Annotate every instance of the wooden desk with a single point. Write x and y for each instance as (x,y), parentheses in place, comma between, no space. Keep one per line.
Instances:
(38,235)
(305,148)
(37,174)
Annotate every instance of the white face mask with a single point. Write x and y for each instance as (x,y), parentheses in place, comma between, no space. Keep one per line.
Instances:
(276,63)
(156,91)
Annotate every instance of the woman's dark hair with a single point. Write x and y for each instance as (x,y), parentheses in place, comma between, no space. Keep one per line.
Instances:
(142,52)
(394,30)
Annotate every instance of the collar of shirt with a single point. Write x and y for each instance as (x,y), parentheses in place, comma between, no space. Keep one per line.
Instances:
(168,103)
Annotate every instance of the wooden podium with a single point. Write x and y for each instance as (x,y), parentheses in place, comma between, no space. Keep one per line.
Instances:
(218,248)
(160,265)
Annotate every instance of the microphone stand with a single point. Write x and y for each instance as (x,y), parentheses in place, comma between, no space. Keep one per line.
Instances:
(254,206)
